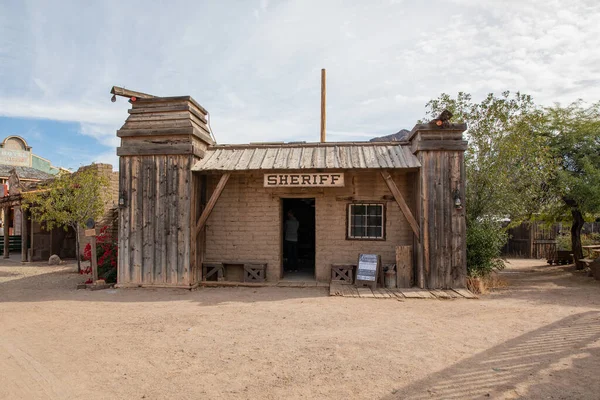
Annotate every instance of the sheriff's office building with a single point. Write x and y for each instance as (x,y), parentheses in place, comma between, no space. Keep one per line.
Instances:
(192,210)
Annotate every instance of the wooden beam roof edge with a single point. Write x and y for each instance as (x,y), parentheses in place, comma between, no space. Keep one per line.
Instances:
(309,144)
(119,91)
(142,101)
(454,127)
(139,112)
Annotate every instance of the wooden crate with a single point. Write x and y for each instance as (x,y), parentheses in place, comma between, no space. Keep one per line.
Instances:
(342,273)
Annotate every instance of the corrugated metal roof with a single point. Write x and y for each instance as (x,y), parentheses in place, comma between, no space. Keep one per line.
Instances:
(307,156)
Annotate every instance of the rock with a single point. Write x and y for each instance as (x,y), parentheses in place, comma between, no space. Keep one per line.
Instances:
(54,260)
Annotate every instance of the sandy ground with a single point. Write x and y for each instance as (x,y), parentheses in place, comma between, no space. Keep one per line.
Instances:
(537,339)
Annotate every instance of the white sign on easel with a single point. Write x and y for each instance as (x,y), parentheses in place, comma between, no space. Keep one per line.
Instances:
(368,269)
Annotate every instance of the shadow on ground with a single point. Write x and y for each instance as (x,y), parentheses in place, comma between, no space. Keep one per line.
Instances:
(503,371)
(534,283)
(60,284)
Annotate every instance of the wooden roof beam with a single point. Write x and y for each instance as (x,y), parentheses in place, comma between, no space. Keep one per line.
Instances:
(119,91)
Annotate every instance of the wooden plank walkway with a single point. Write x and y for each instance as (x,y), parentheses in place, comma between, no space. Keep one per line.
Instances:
(337,289)
(292,284)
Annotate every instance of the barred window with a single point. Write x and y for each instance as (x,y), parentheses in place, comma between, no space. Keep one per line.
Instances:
(366,221)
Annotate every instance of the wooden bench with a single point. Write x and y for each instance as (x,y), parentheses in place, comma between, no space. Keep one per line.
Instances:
(210,269)
(343,273)
(586,261)
(254,271)
(560,257)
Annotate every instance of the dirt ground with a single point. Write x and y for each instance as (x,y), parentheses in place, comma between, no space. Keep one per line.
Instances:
(539,338)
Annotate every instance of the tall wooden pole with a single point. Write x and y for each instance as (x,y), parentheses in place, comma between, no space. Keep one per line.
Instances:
(323,103)
(91,233)
(94,259)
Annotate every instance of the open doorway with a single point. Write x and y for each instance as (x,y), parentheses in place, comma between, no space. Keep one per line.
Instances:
(299,256)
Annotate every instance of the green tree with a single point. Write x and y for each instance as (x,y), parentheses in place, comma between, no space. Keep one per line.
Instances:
(69,201)
(508,164)
(574,190)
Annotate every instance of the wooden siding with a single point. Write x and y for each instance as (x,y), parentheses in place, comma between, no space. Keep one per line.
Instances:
(160,142)
(443,226)
(246,223)
(154,230)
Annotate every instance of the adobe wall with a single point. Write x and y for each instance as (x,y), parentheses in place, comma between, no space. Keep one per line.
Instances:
(246,221)
(110,199)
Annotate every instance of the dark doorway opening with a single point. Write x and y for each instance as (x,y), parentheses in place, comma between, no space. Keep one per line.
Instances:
(303,211)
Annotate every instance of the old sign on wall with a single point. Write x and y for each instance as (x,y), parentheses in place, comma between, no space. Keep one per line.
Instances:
(304,180)
(368,269)
(16,158)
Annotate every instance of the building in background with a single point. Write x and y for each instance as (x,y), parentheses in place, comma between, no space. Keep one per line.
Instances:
(16,154)
(20,168)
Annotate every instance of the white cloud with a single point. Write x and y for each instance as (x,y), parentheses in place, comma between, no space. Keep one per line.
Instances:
(103,133)
(259,77)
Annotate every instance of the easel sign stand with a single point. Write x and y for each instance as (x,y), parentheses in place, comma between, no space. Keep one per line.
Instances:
(368,270)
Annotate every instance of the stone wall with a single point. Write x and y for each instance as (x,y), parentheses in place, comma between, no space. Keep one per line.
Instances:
(246,221)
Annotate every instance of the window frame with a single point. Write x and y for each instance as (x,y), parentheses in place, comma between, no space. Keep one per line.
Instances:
(383,221)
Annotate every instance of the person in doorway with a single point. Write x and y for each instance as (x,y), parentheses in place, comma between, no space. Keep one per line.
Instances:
(291,241)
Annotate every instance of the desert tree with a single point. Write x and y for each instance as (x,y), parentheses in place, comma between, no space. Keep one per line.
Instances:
(69,200)
(574,138)
(508,163)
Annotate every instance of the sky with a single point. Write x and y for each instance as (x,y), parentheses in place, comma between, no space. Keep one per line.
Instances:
(255,64)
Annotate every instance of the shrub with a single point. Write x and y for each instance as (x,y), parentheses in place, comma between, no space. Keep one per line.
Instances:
(485,239)
(563,241)
(106,251)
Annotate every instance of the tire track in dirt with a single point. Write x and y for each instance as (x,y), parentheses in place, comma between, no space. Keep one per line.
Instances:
(24,377)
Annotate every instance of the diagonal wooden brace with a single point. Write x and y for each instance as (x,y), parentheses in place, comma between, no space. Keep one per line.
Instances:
(401,203)
(211,202)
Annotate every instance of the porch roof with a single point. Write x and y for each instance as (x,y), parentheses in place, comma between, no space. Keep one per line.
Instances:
(297,156)
(26,173)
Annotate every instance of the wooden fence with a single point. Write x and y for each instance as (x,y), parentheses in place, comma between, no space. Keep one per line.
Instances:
(536,240)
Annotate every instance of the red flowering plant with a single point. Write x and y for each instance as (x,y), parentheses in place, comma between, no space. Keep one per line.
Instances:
(106,251)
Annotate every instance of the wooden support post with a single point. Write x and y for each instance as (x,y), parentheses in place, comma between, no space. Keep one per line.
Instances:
(91,233)
(23,235)
(6,233)
(94,259)
(32,237)
(323,105)
(401,203)
(404,267)
(212,201)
